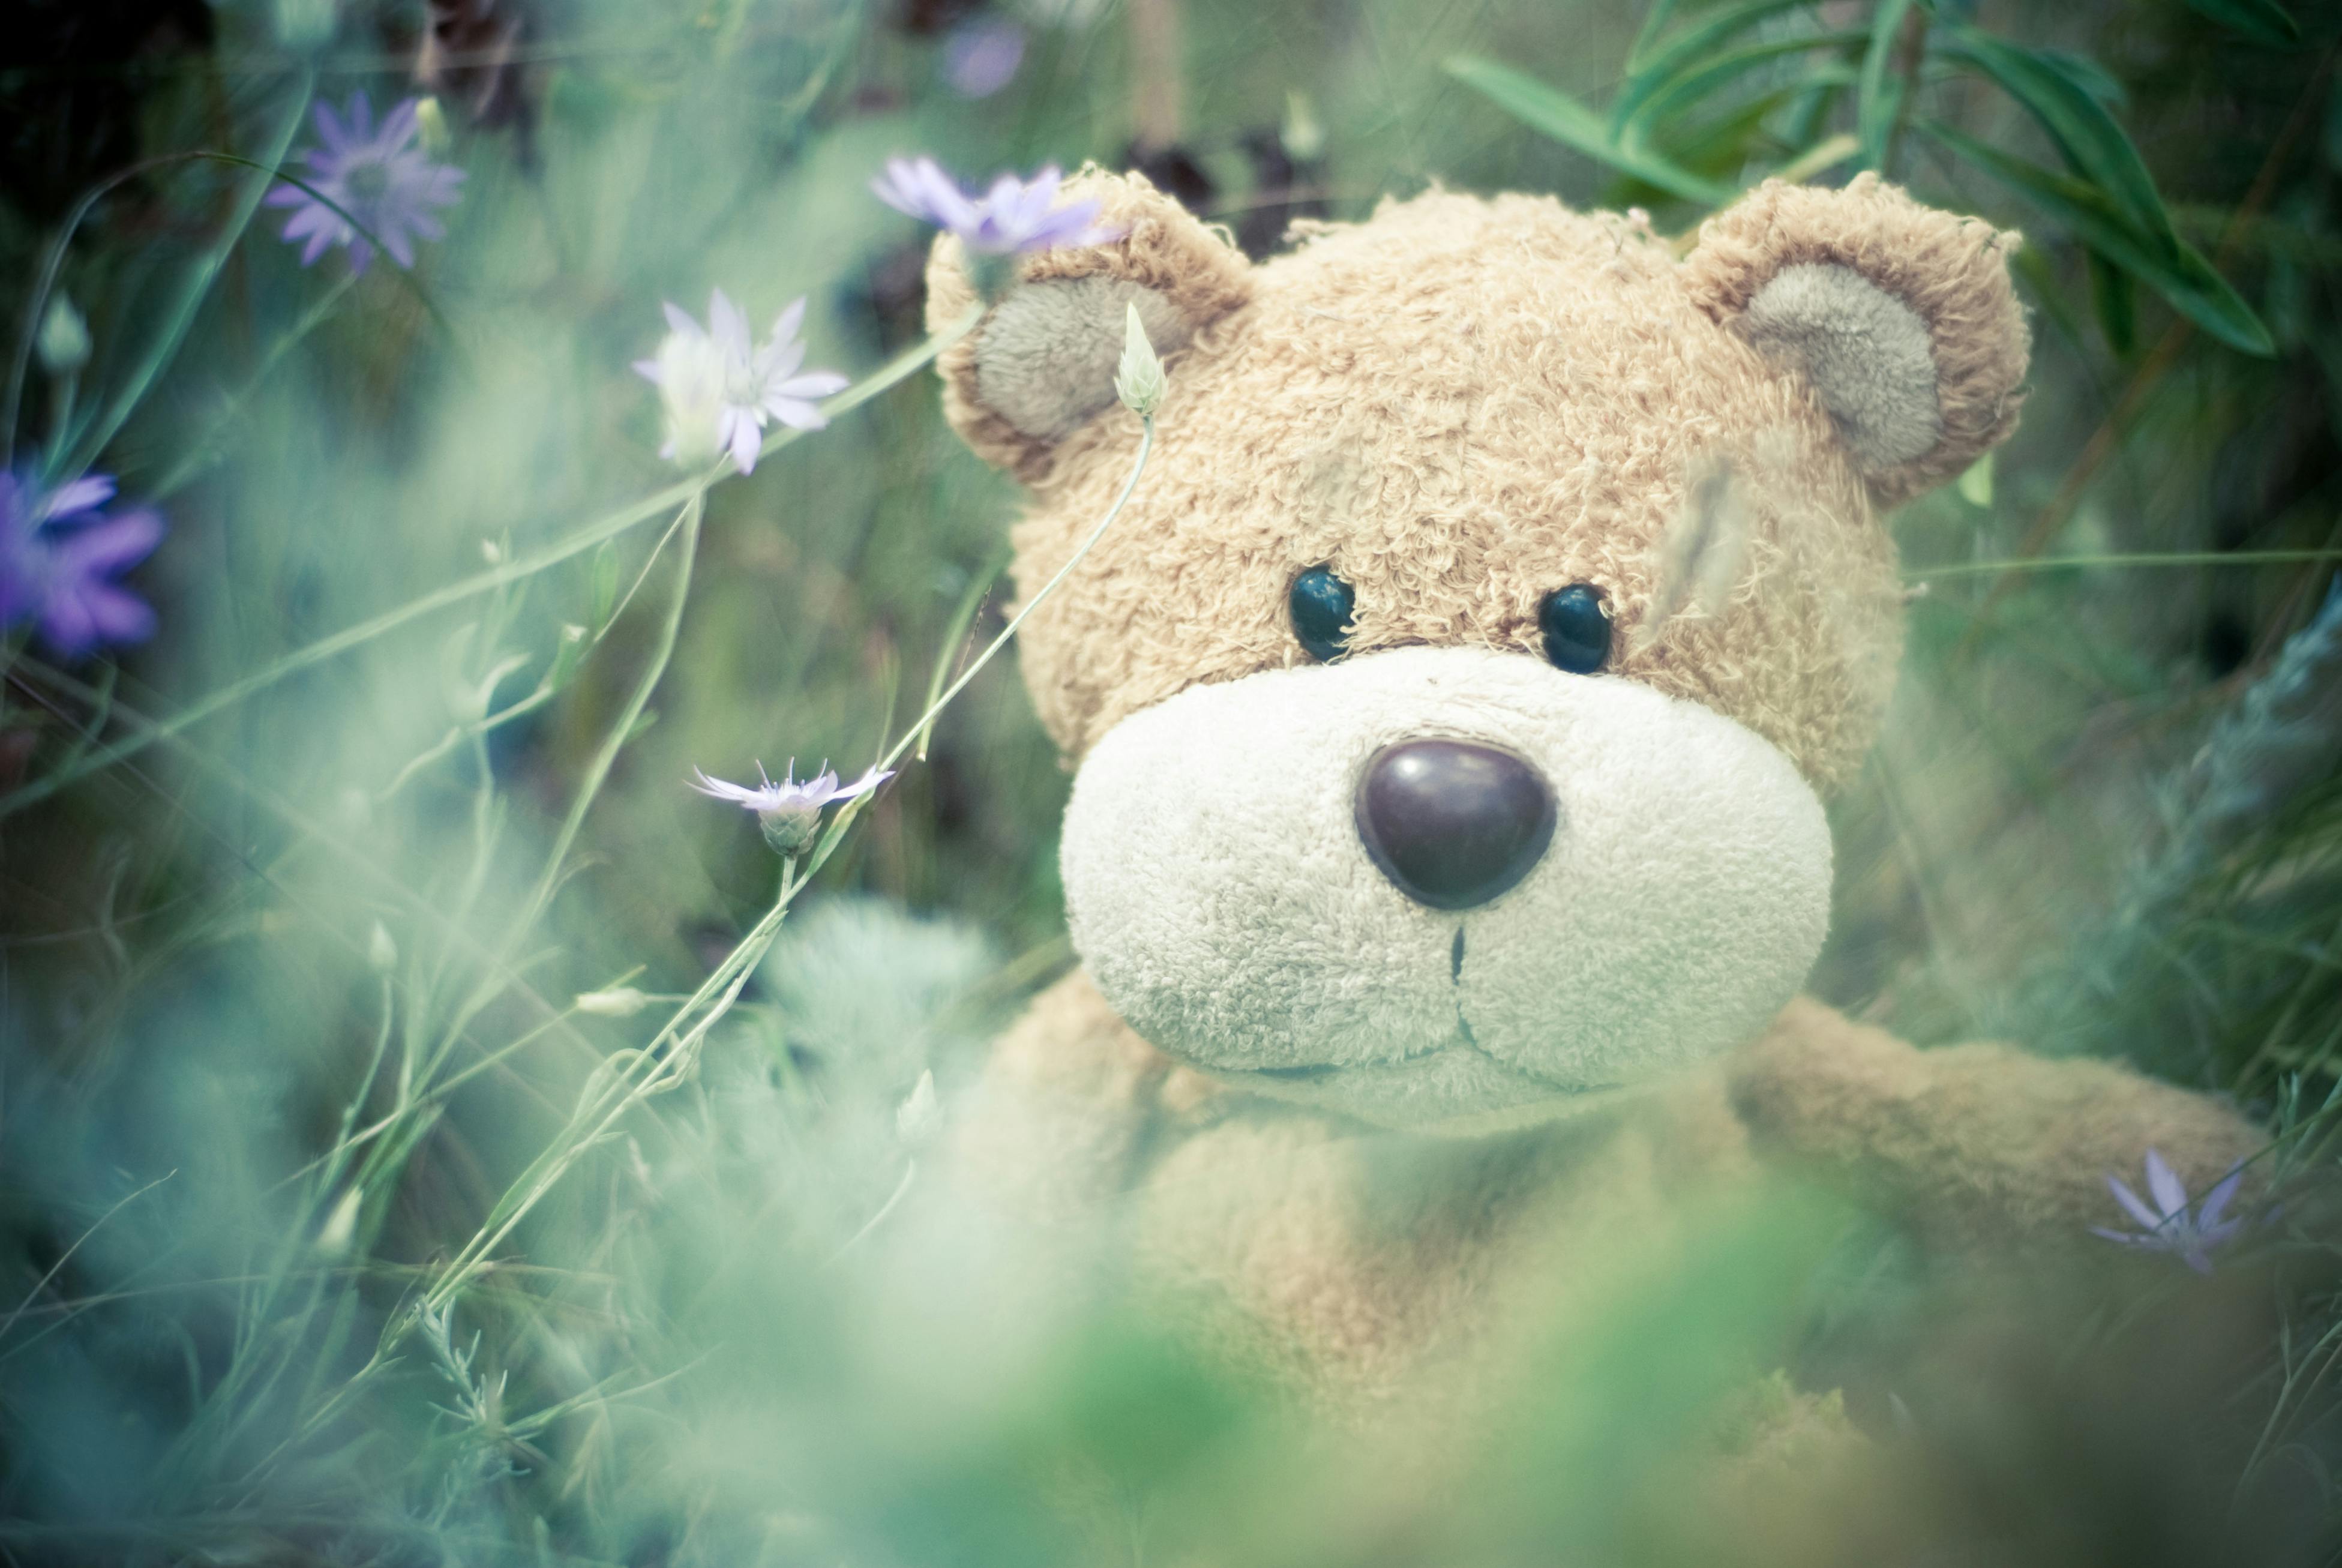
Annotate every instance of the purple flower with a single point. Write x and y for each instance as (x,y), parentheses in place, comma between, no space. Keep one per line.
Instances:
(2166,1226)
(982,54)
(57,552)
(719,391)
(788,811)
(1015,215)
(378,176)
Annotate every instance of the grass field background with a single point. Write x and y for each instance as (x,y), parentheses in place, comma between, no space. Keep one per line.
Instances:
(334,1228)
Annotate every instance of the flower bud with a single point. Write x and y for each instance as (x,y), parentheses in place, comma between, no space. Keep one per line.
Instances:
(920,1116)
(618,1002)
(341,1225)
(63,341)
(431,122)
(1140,382)
(788,827)
(1302,136)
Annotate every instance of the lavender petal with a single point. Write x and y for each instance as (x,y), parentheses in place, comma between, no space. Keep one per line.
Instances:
(2170,1193)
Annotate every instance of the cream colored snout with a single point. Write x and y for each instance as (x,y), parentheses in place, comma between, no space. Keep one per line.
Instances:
(1224,894)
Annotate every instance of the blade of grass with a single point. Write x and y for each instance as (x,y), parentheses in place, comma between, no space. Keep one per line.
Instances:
(164,346)
(2181,276)
(1653,64)
(584,538)
(979,588)
(1698,83)
(1878,96)
(1557,115)
(2177,558)
(2093,142)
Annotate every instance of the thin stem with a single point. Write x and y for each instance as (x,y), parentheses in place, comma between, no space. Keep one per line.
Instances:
(161,351)
(1138,465)
(589,789)
(203,452)
(577,543)
(66,1256)
(978,589)
(636,1076)
(2183,558)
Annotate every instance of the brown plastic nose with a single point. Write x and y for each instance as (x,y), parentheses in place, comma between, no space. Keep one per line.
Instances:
(1453,824)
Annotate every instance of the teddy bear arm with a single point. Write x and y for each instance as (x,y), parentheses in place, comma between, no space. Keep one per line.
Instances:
(1063,1112)
(1979,1147)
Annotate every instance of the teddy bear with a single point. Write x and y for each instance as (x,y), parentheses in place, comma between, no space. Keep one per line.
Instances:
(1451,711)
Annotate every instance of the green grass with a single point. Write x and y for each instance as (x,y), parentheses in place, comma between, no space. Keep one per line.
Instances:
(332,1229)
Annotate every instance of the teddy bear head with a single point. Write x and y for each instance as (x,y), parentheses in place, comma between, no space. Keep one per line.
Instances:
(1452,704)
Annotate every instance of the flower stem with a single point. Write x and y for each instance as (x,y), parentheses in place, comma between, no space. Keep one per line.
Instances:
(577,542)
(918,727)
(160,352)
(835,832)
(633,1076)
(205,451)
(590,788)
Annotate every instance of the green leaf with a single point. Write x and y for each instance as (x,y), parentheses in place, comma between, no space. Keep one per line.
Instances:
(2031,264)
(1736,139)
(1571,123)
(2093,143)
(1647,72)
(2262,21)
(2086,74)
(1698,81)
(1648,33)
(1724,146)
(2116,303)
(606,582)
(1878,100)
(2183,277)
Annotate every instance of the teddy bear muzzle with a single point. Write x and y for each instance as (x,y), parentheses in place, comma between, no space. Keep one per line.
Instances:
(1423,886)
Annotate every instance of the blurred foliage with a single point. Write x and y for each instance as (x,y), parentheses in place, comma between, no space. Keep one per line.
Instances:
(331,1229)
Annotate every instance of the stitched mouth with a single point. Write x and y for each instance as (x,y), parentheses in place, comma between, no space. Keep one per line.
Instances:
(1295,1075)
(1323,1071)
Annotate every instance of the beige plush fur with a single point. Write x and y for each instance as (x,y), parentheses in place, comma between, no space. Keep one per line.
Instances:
(1462,404)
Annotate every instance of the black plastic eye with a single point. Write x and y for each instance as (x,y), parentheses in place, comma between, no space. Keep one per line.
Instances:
(1321,603)
(1577,628)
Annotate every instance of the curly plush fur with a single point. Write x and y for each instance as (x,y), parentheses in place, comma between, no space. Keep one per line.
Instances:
(1460,404)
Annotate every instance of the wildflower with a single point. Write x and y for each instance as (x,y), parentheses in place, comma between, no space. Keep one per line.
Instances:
(789,811)
(379,176)
(57,553)
(1014,216)
(719,391)
(2166,1224)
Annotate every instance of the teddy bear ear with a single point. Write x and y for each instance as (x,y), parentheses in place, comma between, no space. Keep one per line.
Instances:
(1041,363)
(1900,318)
